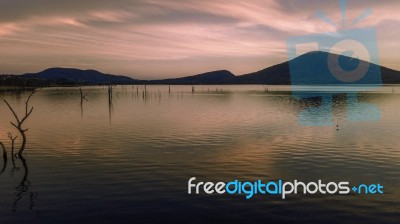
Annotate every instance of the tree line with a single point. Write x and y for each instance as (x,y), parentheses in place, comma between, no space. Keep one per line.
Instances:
(7,80)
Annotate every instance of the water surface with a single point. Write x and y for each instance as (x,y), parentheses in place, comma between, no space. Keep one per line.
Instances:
(129,160)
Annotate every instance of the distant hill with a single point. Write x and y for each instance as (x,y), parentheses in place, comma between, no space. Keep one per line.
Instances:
(275,75)
(312,63)
(214,77)
(72,75)
(390,76)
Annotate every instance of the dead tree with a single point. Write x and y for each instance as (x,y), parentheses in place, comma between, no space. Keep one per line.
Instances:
(265,88)
(18,125)
(24,185)
(12,139)
(110,100)
(110,93)
(145,92)
(83,95)
(4,158)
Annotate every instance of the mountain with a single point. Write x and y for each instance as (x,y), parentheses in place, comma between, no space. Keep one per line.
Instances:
(311,68)
(275,75)
(390,76)
(72,75)
(214,77)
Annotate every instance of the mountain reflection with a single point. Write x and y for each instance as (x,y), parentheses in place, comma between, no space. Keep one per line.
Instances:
(319,108)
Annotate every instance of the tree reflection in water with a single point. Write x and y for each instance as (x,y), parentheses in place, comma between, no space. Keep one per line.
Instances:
(24,185)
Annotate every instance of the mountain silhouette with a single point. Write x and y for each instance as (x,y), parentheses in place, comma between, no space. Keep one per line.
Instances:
(214,77)
(275,75)
(79,76)
(312,64)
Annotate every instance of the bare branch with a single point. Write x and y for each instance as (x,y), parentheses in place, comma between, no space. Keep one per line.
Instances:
(12,110)
(4,158)
(14,125)
(13,156)
(11,137)
(20,122)
(26,116)
(265,88)
(30,95)
(27,102)
(83,95)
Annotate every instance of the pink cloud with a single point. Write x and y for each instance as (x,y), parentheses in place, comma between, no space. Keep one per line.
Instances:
(179,37)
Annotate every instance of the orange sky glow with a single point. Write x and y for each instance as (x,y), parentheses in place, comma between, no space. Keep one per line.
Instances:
(151,39)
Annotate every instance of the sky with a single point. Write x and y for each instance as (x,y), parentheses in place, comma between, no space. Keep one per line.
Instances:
(151,39)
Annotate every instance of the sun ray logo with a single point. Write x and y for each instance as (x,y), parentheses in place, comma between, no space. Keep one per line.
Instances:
(347,58)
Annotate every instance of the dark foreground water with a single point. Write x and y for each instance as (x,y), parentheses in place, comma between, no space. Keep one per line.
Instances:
(130,161)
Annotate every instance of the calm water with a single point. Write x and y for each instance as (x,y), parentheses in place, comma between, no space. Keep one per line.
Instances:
(129,162)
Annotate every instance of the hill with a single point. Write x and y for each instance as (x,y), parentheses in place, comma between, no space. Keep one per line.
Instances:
(214,77)
(73,75)
(311,65)
(309,68)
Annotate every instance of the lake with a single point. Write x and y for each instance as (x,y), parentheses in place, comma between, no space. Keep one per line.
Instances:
(129,160)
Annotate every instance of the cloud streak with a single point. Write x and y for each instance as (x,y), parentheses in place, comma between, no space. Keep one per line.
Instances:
(155,39)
